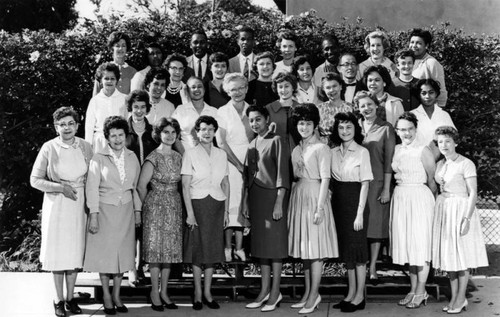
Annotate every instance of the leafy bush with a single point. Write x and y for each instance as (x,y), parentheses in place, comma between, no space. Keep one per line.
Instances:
(43,71)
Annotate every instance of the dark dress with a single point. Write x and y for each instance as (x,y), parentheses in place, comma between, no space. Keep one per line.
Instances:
(261,93)
(148,144)
(175,99)
(214,97)
(267,170)
(162,210)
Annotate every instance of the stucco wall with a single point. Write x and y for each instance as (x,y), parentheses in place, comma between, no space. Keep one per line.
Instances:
(474,16)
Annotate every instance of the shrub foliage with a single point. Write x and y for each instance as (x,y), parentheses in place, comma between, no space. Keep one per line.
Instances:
(42,71)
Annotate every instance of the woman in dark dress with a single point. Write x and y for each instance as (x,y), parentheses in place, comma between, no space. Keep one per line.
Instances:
(176,93)
(260,90)
(265,202)
(215,95)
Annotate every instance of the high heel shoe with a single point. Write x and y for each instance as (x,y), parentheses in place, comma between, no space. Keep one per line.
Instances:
(240,254)
(305,310)
(155,307)
(350,307)
(418,300)
(168,305)
(298,305)
(255,305)
(59,309)
(271,307)
(458,310)
(408,298)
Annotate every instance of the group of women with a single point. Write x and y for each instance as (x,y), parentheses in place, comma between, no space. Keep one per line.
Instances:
(312,181)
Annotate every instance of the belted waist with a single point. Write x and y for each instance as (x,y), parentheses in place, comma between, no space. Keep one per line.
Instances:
(449,195)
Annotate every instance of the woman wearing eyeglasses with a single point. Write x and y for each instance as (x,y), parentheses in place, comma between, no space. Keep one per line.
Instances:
(176,92)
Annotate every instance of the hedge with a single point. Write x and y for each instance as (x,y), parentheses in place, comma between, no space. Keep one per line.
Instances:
(42,71)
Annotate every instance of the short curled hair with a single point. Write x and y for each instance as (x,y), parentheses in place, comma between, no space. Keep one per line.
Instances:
(282,77)
(159,74)
(230,77)
(63,112)
(408,116)
(365,94)
(423,34)
(298,61)
(386,44)
(219,57)
(263,55)
(138,95)
(254,108)
(107,67)
(163,122)
(287,35)
(403,54)
(305,112)
(115,122)
(329,77)
(448,131)
(208,120)
(382,71)
(342,117)
(417,88)
(175,57)
(115,37)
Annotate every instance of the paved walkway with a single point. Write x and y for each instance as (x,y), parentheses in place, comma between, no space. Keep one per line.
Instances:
(31,294)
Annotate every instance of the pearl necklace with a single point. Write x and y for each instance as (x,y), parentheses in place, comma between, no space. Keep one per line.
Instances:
(175,90)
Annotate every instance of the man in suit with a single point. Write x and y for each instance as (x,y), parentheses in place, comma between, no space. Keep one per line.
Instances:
(243,62)
(198,62)
(348,68)
(330,48)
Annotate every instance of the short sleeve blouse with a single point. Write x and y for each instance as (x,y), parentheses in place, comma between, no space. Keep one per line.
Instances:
(354,166)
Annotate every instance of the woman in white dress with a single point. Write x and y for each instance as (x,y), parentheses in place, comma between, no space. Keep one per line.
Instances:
(60,171)
(457,243)
(412,208)
(234,135)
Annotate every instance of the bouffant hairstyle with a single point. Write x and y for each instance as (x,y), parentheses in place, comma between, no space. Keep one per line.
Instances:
(254,108)
(423,34)
(107,67)
(175,57)
(263,55)
(306,112)
(408,116)
(115,37)
(377,35)
(343,117)
(138,95)
(364,94)
(219,57)
(427,81)
(63,112)
(382,71)
(229,78)
(448,131)
(158,74)
(115,122)
(282,77)
(298,61)
(208,120)
(163,122)
(403,54)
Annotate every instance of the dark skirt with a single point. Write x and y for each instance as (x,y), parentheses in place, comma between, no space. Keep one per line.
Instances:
(379,213)
(205,243)
(269,237)
(352,244)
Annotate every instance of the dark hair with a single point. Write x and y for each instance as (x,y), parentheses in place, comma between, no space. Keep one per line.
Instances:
(147,46)
(282,77)
(448,131)
(248,30)
(115,122)
(199,32)
(107,67)
(301,60)
(382,71)
(115,37)
(64,112)
(424,34)
(208,120)
(427,81)
(176,57)
(364,94)
(219,57)
(138,95)
(159,74)
(287,35)
(330,37)
(306,112)
(161,124)
(263,55)
(254,108)
(345,117)
(347,54)
(408,116)
(403,54)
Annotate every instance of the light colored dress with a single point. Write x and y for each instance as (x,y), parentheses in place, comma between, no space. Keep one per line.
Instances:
(412,208)
(237,139)
(307,240)
(450,250)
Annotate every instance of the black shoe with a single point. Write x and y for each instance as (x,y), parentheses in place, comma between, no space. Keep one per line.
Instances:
(212,305)
(374,281)
(350,308)
(73,307)
(167,305)
(121,309)
(340,304)
(59,309)
(110,311)
(197,305)
(157,307)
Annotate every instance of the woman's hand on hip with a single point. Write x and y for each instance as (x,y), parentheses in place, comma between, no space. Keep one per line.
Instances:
(93,223)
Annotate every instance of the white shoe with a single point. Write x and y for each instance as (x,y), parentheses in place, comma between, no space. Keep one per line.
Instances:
(305,310)
(268,307)
(254,305)
(298,305)
(240,254)
(229,256)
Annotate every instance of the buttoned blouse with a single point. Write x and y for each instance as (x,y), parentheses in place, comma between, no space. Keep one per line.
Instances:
(161,109)
(104,184)
(207,172)
(426,126)
(311,160)
(230,120)
(187,115)
(282,118)
(307,96)
(354,166)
